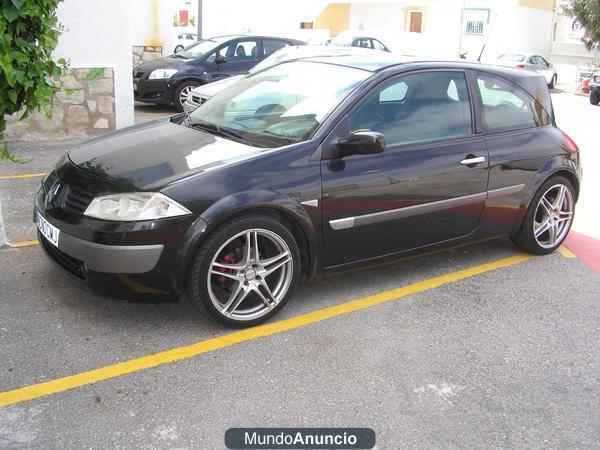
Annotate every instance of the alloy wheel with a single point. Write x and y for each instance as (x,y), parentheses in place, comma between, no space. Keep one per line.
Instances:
(183,95)
(250,274)
(553,216)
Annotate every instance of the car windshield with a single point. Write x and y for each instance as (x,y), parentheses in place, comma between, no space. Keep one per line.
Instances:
(201,48)
(278,106)
(512,57)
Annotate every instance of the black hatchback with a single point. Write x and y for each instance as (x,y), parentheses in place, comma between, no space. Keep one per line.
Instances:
(308,168)
(168,81)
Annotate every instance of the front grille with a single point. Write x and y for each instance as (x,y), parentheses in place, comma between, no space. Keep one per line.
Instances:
(67,262)
(75,200)
(49,181)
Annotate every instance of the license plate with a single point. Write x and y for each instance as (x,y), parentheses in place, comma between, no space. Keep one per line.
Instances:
(49,231)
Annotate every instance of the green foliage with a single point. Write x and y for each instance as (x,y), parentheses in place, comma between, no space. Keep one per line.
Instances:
(193,21)
(587,13)
(94,73)
(29,32)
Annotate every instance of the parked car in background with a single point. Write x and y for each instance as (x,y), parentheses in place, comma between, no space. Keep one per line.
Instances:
(306,169)
(528,61)
(202,93)
(168,81)
(347,40)
(594,88)
(185,40)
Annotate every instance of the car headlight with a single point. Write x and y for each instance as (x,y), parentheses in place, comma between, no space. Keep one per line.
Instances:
(160,74)
(134,206)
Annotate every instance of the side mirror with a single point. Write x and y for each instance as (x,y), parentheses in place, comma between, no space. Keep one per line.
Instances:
(363,142)
(220,59)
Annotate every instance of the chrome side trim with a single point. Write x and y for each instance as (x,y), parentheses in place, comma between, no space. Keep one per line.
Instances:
(314,202)
(340,224)
(505,191)
(401,213)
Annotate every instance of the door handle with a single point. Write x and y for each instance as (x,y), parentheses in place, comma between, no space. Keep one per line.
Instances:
(472,160)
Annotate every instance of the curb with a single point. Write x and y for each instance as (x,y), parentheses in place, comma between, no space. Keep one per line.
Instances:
(586,248)
(3,241)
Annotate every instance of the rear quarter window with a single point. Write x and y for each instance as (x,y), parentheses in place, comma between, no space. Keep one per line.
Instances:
(506,106)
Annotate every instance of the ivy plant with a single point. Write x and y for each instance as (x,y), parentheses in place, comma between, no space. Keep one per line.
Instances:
(29,32)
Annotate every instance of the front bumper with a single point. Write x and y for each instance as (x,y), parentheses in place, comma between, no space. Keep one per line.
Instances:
(159,92)
(129,260)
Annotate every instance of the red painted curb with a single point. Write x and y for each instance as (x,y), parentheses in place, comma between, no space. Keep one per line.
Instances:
(585,248)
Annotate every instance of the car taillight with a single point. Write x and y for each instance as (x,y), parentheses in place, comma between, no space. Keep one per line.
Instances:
(520,66)
(571,145)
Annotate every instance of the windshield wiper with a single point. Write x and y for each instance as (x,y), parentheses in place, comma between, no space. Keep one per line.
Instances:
(223,131)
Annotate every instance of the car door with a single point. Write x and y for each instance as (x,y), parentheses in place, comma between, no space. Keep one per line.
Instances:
(240,56)
(428,186)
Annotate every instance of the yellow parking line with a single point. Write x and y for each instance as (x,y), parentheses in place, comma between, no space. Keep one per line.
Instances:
(566,252)
(23,243)
(17,177)
(210,345)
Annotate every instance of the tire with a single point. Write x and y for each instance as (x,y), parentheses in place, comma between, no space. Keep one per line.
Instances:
(552,83)
(594,98)
(241,288)
(532,236)
(181,93)
(178,48)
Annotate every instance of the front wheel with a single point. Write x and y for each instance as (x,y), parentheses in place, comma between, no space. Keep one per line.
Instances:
(548,218)
(552,83)
(246,271)
(182,92)
(594,98)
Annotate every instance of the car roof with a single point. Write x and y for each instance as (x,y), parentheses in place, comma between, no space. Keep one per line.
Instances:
(375,61)
(251,36)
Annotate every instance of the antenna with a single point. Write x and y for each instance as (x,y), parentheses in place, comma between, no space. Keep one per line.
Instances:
(487,38)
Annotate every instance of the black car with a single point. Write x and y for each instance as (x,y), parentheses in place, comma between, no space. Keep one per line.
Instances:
(168,81)
(309,168)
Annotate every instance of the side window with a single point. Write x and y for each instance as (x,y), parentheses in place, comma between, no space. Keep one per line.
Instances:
(378,45)
(363,42)
(507,106)
(417,108)
(241,51)
(270,46)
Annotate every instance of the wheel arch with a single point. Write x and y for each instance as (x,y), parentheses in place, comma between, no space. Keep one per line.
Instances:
(271,204)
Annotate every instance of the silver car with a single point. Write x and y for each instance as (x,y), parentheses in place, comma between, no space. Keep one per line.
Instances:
(529,61)
(202,93)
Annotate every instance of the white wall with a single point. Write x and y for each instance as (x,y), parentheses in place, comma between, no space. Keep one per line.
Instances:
(98,34)
(152,23)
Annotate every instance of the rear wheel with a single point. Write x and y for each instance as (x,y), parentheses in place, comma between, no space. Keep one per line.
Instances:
(178,48)
(246,271)
(594,98)
(548,218)
(182,92)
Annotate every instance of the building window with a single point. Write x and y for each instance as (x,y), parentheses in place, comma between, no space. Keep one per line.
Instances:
(474,27)
(415,21)
(306,25)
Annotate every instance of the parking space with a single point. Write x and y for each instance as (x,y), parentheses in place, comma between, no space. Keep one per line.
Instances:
(477,346)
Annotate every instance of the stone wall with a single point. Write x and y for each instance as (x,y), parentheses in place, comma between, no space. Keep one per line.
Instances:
(145,53)
(83,106)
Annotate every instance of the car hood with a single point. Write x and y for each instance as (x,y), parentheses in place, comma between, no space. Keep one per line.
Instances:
(150,156)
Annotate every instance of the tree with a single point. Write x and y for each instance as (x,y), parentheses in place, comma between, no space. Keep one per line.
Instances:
(587,13)
(29,32)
